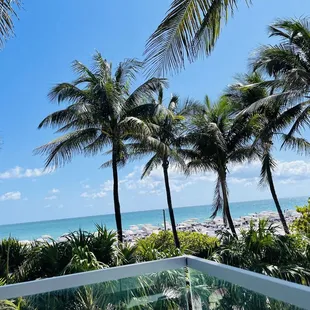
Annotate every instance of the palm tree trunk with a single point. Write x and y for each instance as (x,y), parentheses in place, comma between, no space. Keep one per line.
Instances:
(276,201)
(117,206)
(226,204)
(169,202)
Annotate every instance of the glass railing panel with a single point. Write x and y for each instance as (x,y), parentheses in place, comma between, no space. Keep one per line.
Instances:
(211,293)
(164,290)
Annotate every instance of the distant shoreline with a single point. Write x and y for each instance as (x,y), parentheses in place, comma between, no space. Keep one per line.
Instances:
(57,228)
(137,211)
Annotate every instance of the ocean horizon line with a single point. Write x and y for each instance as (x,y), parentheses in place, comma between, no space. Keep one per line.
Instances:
(146,210)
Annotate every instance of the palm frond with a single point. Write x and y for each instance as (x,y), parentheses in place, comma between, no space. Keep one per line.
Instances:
(150,165)
(7,13)
(69,92)
(71,115)
(301,145)
(101,67)
(61,150)
(189,26)
(127,70)
(134,127)
(302,120)
(145,91)
(85,74)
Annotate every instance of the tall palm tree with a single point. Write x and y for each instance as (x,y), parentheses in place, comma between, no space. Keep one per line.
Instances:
(7,11)
(286,105)
(101,112)
(271,121)
(190,27)
(165,145)
(219,139)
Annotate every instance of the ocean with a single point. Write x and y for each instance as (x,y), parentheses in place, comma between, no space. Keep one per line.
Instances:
(57,228)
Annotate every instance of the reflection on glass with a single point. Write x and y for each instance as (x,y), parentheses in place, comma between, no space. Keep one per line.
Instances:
(214,294)
(165,290)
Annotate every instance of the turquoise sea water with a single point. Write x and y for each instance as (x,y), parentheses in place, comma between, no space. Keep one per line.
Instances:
(56,228)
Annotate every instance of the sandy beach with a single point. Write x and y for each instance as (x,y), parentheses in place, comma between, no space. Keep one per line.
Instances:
(212,227)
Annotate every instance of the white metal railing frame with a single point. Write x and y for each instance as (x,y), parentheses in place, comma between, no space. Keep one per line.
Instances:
(295,294)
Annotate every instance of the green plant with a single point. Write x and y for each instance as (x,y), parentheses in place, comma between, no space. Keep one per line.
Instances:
(301,225)
(7,12)
(273,120)
(12,255)
(101,112)
(219,138)
(261,250)
(189,28)
(162,243)
(82,260)
(165,145)
(102,244)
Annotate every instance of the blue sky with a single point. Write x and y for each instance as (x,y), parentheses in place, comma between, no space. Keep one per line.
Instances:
(49,36)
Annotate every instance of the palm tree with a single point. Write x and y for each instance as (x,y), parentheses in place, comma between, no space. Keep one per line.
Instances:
(286,102)
(271,120)
(190,27)
(7,11)
(288,63)
(219,139)
(101,112)
(165,145)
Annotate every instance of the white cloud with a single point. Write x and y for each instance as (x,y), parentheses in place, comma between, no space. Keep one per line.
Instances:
(107,186)
(94,195)
(54,191)
(10,196)
(19,172)
(47,206)
(50,197)
(246,174)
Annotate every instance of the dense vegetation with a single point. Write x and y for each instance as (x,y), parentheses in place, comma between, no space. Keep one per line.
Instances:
(258,249)
(265,106)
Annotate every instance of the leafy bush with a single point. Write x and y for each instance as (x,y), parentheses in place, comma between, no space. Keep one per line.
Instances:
(12,255)
(191,243)
(302,224)
(261,250)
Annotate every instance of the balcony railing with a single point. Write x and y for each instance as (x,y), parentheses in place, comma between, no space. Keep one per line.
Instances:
(184,282)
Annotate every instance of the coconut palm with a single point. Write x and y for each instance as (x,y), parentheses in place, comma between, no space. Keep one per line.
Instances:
(284,100)
(165,145)
(219,139)
(190,27)
(288,63)
(272,119)
(7,11)
(101,112)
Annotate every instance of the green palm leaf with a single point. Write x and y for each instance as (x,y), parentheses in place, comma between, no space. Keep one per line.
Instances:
(190,26)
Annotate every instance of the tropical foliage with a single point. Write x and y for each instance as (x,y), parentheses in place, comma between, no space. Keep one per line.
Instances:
(192,243)
(7,13)
(274,119)
(101,112)
(218,138)
(302,224)
(165,144)
(258,249)
(190,28)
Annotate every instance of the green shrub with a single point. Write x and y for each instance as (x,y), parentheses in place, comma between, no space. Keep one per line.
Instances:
(302,224)
(12,255)
(191,243)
